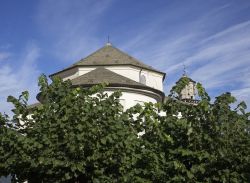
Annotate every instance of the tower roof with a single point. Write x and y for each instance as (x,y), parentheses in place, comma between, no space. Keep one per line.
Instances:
(109,56)
(185,76)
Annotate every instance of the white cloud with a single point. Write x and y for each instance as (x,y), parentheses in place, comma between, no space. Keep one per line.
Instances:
(71,25)
(4,56)
(222,56)
(242,95)
(239,28)
(14,80)
(223,45)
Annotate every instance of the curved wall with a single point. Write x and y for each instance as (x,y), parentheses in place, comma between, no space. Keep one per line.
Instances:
(130,99)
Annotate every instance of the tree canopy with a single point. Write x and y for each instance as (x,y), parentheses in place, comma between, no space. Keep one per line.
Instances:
(84,135)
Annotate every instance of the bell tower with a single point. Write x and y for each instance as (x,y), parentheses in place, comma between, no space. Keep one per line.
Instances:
(188,93)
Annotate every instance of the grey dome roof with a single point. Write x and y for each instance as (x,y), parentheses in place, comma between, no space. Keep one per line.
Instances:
(109,56)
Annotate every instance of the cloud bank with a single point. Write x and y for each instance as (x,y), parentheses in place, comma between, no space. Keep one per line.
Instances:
(14,80)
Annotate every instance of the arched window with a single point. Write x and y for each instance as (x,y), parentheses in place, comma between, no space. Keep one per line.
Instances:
(142,79)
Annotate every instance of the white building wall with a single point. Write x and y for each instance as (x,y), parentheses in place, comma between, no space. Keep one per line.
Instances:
(85,70)
(129,72)
(189,91)
(129,99)
(153,79)
(75,72)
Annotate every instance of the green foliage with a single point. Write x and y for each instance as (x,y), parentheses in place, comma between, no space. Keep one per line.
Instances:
(84,135)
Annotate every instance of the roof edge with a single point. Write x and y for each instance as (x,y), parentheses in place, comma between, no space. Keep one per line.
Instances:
(75,66)
(161,93)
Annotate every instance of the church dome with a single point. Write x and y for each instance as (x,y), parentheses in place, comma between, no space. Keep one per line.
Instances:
(137,81)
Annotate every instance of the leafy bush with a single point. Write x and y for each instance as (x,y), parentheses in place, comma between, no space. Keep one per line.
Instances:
(84,135)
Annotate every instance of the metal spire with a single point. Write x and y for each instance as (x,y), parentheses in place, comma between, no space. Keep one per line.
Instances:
(108,43)
(184,70)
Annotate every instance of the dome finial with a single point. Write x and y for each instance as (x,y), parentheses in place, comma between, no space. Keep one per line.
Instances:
(108,43)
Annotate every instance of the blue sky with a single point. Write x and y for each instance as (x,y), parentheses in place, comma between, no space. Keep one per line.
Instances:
(212,38)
